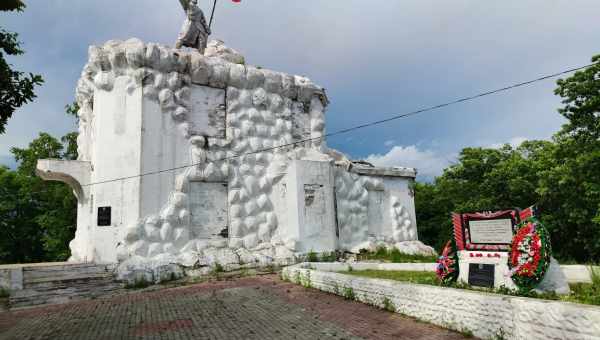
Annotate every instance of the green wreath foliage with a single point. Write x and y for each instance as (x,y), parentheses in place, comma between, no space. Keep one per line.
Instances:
(530,254)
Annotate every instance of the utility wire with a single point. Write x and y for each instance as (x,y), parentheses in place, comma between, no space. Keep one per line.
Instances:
(357,127)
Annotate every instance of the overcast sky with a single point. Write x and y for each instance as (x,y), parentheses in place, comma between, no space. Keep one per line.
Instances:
(375,58)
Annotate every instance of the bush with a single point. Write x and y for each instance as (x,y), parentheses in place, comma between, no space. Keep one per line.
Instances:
(312,257)
(329,257)
(218,268)
(138,283)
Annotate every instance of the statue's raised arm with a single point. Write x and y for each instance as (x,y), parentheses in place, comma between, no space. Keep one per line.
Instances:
(185,4)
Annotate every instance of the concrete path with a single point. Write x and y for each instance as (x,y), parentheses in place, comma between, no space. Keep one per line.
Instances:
(261,307)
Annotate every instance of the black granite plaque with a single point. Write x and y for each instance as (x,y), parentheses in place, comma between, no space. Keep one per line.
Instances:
(481,275)
(104,216)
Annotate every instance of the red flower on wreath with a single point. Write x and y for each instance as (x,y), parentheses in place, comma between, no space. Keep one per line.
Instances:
(447,265)
(530,254)
(526,259)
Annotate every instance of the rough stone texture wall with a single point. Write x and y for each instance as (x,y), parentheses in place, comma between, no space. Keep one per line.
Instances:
(486,315)
(232,119)
(352,195)
(264,109)
(352,203)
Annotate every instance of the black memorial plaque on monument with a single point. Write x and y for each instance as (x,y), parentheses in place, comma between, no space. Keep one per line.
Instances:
(481,275)
(104,216)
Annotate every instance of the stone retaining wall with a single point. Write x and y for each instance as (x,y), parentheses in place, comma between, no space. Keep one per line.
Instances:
(486,315)
(579,273)
(4,279)
(573,273)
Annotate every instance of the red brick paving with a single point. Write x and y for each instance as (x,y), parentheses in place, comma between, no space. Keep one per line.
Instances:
(260,307)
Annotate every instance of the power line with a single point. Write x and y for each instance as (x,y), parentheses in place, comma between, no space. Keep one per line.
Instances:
(357,127)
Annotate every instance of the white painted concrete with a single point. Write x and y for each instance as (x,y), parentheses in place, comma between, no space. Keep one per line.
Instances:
(311,214)
(487,316)
(208,209)
(501,274)
(146,108)
(11,278)
(579,273)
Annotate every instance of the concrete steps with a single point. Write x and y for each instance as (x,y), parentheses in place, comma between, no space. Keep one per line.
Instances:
(55,284)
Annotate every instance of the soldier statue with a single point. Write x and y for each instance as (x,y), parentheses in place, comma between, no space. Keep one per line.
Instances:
(195,31)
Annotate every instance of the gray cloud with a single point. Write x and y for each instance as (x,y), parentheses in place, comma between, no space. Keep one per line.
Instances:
(428,163)
(375,58)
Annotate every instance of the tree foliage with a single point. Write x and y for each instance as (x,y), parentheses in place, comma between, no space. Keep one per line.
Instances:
(16,88)
(11,5)
(37,218)
(581,97)
(561,176)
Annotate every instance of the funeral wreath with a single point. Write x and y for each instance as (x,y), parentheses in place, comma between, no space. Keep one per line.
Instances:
(530,254)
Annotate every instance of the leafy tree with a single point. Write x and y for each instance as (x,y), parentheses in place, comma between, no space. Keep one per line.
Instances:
(581,97)
(16,88)
(37,217)
(43,147)
(20,235)
(561,176)
(70,139)
(12,5)
(483,179)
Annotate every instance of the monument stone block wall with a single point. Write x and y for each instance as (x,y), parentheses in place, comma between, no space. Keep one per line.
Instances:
(200,160)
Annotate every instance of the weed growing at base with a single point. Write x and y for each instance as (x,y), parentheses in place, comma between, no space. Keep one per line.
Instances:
(388,305)
(323,257)
(139,283)
(349,293)
(395,256)
(405,276)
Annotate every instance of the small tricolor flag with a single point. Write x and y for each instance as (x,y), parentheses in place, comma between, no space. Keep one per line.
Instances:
(237,1)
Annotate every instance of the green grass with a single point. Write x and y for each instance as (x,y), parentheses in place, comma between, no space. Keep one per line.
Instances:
(323,257)
(428,278)
(395,256)
(588,293)
(329,257)
(585,293)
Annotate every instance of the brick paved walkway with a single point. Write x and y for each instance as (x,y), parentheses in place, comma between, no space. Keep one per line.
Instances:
(261,307)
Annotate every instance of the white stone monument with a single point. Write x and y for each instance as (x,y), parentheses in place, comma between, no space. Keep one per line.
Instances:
(152,110)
